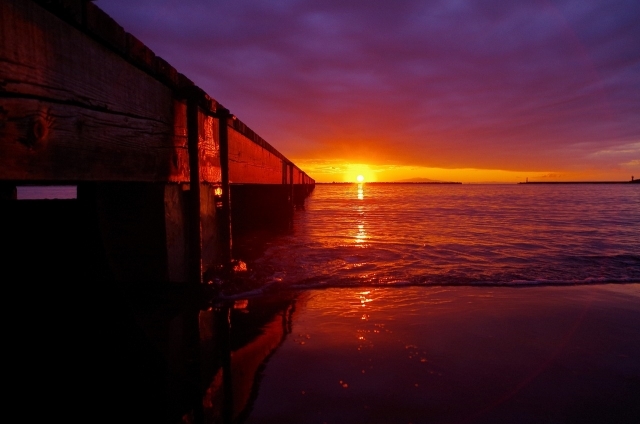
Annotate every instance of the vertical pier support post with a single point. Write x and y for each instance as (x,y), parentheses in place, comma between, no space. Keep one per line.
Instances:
(291,195)
(225,212)
(195,232)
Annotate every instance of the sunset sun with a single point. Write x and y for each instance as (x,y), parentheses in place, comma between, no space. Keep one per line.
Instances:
(360,178)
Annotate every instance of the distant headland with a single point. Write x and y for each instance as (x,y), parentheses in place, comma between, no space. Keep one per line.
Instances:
(424,181)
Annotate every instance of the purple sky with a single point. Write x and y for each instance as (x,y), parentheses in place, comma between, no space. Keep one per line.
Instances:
(546,86)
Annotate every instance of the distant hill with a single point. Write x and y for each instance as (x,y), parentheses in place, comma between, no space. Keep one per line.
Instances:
(408,181)
(421,180)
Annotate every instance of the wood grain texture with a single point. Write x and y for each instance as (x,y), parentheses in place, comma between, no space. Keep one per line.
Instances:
(209,149)
(41,140)
(71,109)
(43,57)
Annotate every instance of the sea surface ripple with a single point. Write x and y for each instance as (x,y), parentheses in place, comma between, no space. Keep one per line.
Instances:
(353,235)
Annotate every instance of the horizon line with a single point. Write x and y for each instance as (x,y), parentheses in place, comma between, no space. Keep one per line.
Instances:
(480,182)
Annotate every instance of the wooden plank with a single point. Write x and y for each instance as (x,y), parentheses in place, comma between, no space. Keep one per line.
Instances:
(209,149)
(243,129)
(180,155)
(40,140)
(297,175)
(194,214)
(251,163)
(105,27)
(43,57)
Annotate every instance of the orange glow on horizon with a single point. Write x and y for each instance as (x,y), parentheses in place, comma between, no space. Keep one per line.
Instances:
(356,173)
(334,170)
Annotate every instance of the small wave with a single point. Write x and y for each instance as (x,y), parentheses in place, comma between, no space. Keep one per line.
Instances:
(352,283)
(319,283)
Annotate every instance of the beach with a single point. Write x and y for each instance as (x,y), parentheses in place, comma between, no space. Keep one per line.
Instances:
(457,354)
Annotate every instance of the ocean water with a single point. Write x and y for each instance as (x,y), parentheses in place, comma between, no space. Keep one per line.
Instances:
(353,235)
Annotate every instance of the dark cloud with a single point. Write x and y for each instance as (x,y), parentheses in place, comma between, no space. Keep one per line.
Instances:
(486,84)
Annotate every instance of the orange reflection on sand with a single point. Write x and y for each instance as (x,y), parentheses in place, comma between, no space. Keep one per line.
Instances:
(474,358)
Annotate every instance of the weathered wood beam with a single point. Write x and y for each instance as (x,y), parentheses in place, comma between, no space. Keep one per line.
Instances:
(224,222)
(209,240)
(94,115)
(195,230)
(43,57)
(48,141)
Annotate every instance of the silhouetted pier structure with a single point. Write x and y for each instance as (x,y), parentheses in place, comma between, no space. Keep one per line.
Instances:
(162,169)
(106,288)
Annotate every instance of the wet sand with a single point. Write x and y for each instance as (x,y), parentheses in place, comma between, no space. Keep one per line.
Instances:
(457,354)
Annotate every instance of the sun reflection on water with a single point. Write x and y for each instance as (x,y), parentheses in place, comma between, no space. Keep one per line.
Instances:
(361,236)
(364,299)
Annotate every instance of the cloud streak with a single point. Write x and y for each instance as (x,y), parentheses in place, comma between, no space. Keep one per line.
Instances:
(534,86)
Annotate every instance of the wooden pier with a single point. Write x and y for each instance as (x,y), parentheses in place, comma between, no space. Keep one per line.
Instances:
(163,171)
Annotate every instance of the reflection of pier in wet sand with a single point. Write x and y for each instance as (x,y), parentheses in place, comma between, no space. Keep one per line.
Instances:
(246,337)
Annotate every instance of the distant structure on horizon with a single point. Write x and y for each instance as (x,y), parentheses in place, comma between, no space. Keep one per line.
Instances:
(632,181)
